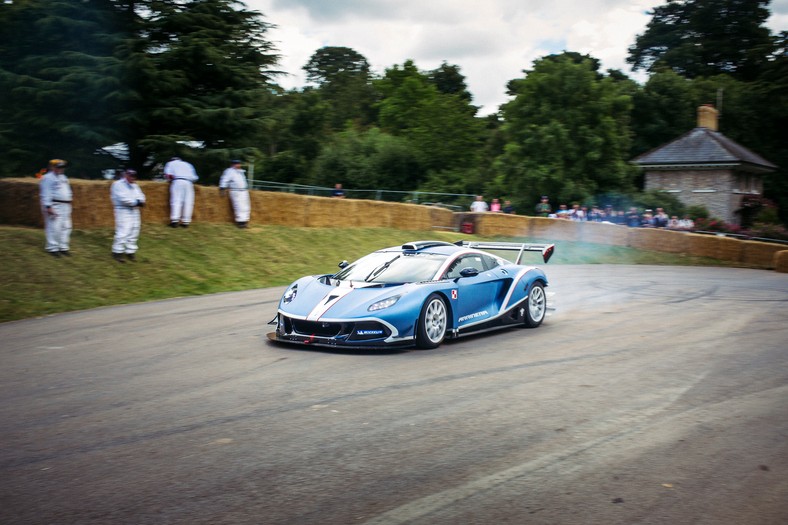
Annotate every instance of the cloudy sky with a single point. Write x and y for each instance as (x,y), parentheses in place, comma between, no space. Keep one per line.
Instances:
(492,41)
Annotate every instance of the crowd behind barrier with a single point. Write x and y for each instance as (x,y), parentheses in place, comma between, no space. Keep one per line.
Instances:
(19,205)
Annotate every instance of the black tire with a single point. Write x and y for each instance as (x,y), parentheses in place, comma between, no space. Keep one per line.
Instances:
(535,306)
(433,322)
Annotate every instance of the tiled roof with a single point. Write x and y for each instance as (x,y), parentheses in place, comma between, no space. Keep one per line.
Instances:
(702,146)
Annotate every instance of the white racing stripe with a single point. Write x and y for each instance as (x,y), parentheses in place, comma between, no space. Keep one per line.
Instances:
(327,302)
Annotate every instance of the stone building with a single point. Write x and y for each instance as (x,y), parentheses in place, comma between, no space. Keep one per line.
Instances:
(704,167)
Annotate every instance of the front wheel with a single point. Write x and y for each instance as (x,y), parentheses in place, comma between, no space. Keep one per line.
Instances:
(536,306)
(432,323)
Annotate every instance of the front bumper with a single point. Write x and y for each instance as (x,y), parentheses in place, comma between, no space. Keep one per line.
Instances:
(363,333)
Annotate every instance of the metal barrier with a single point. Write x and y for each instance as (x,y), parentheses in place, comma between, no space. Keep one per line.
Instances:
(427,198)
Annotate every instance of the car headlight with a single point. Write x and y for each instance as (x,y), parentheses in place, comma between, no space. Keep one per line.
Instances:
(385,303)
(290,294)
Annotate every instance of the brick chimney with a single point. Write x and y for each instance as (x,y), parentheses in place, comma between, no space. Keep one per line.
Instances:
(707,117)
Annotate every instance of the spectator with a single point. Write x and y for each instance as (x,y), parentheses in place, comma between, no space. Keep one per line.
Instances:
(633,217)
(686,223)
(507,207)
(495,206)
(127,199)
(338,192)
(562,212)
(543,208)
(595,215)
(661,219)
(234,181)
(479,205)
(182,177)
(56,200)
(673,223)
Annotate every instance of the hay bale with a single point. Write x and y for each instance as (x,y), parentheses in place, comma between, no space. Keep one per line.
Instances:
(441,218)
(780,263)
(331,213)
(492,224)
(715,246)
(157,202)
(760,254)
(555,229)
(373,214)
(20,202)
(603,233)
(658,240)
(279,208)
(410,216)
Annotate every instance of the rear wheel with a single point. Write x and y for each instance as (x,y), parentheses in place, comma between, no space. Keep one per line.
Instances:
(433,321)
(536,306)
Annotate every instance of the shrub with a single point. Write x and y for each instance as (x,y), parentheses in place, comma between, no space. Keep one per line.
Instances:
(696,211)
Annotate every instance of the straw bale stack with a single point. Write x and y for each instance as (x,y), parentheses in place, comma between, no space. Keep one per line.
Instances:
(20,203)
(715,246)
(603,233)
(502,224)
(555,229)
(760,254)
(157,202)
(91,206)
(281,209)
(781,261)
(659,240)
(411,216)
(374,214)
(441,217)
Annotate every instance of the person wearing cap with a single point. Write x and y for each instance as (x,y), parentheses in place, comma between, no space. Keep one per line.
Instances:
(182,177)
(56,197)
(543,208)
(234,181)
(127,199)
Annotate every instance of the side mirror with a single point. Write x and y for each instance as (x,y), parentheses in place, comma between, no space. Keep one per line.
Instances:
(469,272)
(343,264)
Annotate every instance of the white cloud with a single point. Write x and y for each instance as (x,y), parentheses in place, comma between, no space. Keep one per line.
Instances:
(492,41)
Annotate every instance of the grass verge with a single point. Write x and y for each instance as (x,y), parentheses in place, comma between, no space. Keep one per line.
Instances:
(210,258)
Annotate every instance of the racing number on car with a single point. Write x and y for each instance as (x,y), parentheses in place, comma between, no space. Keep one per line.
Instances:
(454,294)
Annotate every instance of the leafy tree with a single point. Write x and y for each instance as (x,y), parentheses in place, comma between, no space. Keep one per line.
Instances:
(208,83)
(449,81)
(662,111)
(344,80)
(368,159)
(567,132)
(441,127)
(294,134)
(705,37)
(62,83)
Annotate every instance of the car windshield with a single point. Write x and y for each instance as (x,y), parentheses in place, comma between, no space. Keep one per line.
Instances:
(392,267)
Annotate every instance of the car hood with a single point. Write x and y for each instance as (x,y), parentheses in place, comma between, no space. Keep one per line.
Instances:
(317,300)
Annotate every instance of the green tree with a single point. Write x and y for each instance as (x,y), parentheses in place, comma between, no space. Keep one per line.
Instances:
(62,83)
(368,159)
(662,110)
(567,132)
(450,81)
(705,37)
(344,80)
(441,127)
(209,81)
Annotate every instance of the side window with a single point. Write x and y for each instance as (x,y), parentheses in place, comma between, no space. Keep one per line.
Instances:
(466,261)
(489,262)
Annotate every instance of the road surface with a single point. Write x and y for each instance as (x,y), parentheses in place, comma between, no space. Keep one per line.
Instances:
(653,395)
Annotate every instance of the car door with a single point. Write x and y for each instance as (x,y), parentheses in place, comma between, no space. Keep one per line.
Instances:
(476,290)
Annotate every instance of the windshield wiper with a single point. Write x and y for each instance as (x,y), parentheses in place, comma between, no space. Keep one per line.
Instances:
(380,269)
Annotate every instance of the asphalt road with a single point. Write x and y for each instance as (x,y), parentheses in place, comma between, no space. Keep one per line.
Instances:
(653,395)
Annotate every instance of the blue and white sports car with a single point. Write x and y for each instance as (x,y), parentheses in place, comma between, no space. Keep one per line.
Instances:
(416,294)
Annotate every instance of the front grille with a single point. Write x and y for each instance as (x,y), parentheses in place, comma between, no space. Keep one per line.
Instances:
(317,328)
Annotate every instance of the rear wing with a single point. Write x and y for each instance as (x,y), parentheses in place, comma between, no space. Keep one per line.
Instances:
(521,247)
